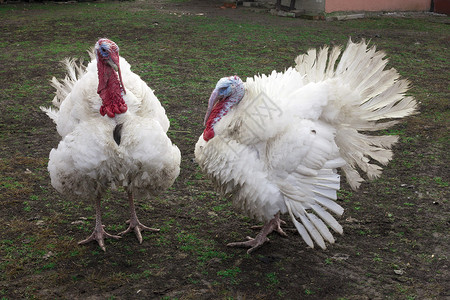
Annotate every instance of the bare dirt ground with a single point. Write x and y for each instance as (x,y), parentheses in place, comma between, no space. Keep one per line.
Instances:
(395,243)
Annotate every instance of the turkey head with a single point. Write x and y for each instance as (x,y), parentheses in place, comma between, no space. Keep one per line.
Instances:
(228,92)
(110,85)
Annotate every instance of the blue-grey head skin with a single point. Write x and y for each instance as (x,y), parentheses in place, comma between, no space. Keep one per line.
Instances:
(227,87)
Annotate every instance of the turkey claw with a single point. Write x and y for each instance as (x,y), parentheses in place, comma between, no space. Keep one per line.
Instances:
(261,238)
(137,227)
(253,243)
(99,235)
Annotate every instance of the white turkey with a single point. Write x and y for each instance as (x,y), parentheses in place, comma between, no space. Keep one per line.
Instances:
(274,143)
(113,132)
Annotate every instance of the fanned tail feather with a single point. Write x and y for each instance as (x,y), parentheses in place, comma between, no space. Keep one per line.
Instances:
(365,98)
(64,86)
(52,113)
(75,70)
(313,215)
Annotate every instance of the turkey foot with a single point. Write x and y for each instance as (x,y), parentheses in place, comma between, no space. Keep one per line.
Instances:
(261,238)
(99,235)
(277,229)
(135,225)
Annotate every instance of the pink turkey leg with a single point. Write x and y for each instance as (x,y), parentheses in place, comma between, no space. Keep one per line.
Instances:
(135,225)
(99,233)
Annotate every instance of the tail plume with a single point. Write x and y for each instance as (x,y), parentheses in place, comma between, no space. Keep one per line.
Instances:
(75,70)
(365,97)
(64,86)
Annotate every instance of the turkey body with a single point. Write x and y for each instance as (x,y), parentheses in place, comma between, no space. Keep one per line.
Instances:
(277,148)
(144,160)
(129,149)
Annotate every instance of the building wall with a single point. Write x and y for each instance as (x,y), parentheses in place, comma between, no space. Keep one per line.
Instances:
(376,5)
(311,5)
(442,6)
(314,6)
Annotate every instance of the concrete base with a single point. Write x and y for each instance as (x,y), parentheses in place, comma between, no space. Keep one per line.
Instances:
(297,14)
(346,17)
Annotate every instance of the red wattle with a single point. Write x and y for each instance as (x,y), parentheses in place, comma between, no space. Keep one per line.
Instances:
(110,91)
(208,133)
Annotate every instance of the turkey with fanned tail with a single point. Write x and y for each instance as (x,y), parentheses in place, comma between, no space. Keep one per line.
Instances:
(274,143)
(114,133)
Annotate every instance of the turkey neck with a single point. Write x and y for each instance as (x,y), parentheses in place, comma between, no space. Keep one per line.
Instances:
(110,90)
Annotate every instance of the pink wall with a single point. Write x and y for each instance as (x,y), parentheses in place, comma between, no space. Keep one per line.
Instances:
(377,5)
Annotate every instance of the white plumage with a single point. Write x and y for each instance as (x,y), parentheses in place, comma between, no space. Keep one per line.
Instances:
(276,150)
(130,149)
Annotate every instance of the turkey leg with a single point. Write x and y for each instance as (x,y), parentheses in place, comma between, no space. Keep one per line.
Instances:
(99,233)
(135,225)
(261,238)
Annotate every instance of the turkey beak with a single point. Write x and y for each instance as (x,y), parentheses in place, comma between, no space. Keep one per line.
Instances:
(212,101)
(114,63)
